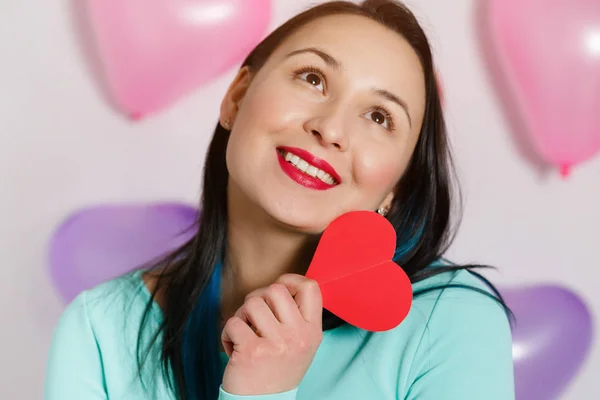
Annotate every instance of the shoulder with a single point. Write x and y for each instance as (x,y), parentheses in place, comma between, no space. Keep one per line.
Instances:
(98,340)
(459,302)
(109,309)
(453,307)
(110,319)
(106,297)
(454,343)
(450,311)
(462,289)
(115,296)
(465,341)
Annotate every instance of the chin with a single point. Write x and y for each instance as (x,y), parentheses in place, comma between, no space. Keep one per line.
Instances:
(299,219)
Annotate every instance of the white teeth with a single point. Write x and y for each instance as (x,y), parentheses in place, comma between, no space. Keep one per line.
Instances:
(308,169)
(302,165)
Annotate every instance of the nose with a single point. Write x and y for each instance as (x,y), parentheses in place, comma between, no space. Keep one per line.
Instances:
(328,130)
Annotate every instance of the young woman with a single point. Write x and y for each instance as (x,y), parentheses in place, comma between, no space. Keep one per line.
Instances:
(337,110)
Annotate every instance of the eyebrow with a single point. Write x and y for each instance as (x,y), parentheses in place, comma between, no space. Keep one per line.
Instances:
(330,61)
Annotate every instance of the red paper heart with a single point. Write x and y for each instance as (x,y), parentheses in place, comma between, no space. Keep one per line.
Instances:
(359,282)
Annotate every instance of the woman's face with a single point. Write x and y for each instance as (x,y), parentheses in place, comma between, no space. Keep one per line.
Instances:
(328,125)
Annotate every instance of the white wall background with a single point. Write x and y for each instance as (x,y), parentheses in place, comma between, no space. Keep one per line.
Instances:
(63,148)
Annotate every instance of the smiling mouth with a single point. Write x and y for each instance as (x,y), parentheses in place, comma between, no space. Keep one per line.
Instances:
(305,167)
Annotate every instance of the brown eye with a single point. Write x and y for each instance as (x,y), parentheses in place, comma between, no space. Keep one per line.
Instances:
(382,118)
(378,117)
(313,79)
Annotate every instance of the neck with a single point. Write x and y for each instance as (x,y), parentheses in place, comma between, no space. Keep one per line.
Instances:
(259,250)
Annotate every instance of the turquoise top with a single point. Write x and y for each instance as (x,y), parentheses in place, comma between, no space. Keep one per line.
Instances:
(454,345)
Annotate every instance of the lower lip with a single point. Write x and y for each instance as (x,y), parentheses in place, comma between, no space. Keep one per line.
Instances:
(300,177)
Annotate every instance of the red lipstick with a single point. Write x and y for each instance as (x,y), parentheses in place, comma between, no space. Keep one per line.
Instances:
(303,178)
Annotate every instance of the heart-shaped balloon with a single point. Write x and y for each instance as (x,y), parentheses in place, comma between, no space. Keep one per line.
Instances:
(551,339)
(359,281)
(548,53)
(153,52)
(100,243)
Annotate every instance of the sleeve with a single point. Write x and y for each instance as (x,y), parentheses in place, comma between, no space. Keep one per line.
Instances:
(74,366)
(465,351)
(290,395)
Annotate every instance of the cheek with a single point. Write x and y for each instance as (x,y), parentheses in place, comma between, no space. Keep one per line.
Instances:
(256,120)
(273,105)
(379,169)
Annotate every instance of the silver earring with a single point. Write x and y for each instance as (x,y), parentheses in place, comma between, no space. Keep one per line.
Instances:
(382,211)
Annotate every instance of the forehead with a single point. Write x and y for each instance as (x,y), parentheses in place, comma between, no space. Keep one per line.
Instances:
(370,53)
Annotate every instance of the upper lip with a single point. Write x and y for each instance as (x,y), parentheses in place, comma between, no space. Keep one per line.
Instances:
(313,160)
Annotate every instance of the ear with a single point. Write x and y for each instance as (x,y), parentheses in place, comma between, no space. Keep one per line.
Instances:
(233,97)
(386,204)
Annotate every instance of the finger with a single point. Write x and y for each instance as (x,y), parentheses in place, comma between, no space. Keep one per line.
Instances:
(256,293)
(280,300)
(236,333)
(307,295)
(257,313)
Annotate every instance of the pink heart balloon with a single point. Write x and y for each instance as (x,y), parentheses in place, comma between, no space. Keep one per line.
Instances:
(154,52)
(549,56)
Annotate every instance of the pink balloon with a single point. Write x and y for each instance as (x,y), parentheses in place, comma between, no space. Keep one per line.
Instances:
(154,52)
(549,54)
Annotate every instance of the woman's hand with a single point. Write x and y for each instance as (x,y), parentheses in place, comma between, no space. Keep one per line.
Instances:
(273,337)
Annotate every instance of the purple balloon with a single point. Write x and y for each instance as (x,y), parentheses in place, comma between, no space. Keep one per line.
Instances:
(98,244)
(551,339)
